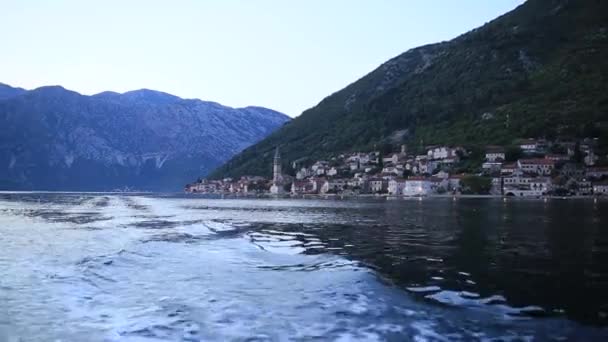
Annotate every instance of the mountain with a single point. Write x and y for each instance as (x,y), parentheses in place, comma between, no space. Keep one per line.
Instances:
(7,91)
(539,70)
(56,139)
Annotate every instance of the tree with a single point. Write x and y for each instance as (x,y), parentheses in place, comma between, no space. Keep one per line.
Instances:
(513,153)
(476,184)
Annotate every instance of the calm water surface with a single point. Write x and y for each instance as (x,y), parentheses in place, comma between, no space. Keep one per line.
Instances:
(100,267)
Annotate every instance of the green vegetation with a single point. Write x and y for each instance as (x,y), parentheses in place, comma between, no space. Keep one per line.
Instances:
(538,71)
(513,153)
(475,185)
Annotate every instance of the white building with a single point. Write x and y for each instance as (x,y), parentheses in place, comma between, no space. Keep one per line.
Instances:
(392,159)
(495,154)
(496,188)
(417,186)
(320,168)
(361,158)
(396,186)
(428,166)
(377,185)
(300,187)
(334,185)
(316,184)
(491,167)
(542,167)
(526,186)
(304,173)
(508,169)
(528,145)
(600,188)
(443,152)
(394,170)
(590,158)
(597,172)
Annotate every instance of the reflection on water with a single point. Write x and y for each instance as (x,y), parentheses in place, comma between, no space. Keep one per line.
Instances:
(148,268)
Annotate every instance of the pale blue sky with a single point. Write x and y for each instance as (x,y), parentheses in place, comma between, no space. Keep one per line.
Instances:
(285,55)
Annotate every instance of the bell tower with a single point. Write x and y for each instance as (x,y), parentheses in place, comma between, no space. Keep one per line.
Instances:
(277,177)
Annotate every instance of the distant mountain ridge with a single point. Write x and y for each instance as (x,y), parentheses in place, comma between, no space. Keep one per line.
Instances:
(7,91)
(56,139)
(538,71)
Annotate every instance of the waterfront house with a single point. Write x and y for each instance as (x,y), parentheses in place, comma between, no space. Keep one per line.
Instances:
(334,185)
(417,186)
(301,187)
(316,184)
(377,185)
(396,186)
(523,186)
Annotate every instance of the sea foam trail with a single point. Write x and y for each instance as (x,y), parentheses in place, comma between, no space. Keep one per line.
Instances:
(155,269)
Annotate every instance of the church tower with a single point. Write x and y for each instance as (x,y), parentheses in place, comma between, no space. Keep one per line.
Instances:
(277,177)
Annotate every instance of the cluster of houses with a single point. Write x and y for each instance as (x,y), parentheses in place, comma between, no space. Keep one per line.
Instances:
(534,173)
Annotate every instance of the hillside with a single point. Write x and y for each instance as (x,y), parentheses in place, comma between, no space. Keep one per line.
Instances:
(538,71)
(56,139)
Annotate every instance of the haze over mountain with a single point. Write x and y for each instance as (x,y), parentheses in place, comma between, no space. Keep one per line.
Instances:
(56,139)
(539,70)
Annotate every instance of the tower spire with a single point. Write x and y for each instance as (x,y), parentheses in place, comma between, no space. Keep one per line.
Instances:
(277,176)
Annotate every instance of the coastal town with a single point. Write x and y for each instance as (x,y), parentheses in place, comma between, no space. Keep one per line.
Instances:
(527,168)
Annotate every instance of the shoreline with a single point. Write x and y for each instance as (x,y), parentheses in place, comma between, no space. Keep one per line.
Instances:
(396,197)
(314,196)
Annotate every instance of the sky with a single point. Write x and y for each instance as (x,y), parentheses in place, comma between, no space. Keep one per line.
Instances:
(284,55)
